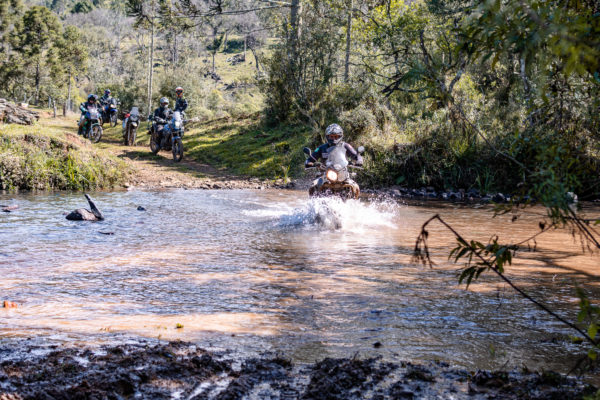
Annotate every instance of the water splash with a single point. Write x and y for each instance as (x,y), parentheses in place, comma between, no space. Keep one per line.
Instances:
(333,213)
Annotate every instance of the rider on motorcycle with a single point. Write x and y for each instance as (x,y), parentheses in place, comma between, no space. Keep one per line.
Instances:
(161,116)
(334,135)
(89,104)
(106,98)
(180,103)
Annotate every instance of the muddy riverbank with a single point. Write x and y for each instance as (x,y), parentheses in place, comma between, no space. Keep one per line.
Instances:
(179,370)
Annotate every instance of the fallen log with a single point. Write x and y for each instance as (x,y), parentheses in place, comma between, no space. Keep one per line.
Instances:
(11,113)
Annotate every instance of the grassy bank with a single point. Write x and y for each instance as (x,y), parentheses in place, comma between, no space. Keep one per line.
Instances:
(46,156)
(246,147)
(238,146)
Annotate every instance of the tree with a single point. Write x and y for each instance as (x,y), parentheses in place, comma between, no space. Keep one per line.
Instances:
(38,30)
(73,54)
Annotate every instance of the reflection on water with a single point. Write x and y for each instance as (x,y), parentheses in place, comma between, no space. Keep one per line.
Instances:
(272,270)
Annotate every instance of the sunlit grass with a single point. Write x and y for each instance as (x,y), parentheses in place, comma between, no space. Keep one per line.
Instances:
(49,155)
(247,147)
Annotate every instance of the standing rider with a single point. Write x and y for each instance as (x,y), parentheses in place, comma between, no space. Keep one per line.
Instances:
(161,116)
(334,135)
(84,107)
(180,103)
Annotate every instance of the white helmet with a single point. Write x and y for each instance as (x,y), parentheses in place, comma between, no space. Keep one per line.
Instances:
(334,134)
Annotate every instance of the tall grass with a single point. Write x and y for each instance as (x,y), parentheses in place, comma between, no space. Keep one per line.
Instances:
(40,157)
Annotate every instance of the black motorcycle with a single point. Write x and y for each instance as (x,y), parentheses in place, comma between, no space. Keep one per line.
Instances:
(170,138)
(109,113)
(131,126)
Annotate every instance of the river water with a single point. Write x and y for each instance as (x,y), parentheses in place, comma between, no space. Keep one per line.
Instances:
(253,271)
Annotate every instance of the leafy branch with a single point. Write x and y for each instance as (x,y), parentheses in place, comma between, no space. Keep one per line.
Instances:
(493,257)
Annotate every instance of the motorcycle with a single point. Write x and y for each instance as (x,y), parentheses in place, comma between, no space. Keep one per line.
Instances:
(91,127)
(130,126)
(171,136)
(335,179)
(109,113)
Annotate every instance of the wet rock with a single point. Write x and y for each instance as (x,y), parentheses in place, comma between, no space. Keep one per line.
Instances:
(377,345)
(10,208)
(82,214)
(499,198)
(140,208)
(420,373)
(399,391)
(490,379)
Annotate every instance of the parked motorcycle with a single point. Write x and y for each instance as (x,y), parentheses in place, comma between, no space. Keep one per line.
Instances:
(132,121)
(109,113)
(335,179)
(171,137)
(91,126)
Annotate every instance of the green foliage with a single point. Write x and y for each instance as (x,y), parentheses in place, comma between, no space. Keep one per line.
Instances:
(43,158)
(82,7)
(491,256)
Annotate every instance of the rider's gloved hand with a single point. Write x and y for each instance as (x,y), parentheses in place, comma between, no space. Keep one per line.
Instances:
(308,164)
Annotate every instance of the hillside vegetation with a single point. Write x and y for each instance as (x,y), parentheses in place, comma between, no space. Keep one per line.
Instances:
(450,94)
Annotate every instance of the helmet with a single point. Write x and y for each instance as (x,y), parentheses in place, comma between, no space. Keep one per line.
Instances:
(107,92)
(179,90)
(334,134)
(92,98)
(164,102)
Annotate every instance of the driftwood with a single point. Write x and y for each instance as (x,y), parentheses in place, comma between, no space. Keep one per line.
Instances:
(13,114)
(81,214)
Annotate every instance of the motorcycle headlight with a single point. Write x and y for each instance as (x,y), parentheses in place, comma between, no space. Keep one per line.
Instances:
(134,123)
(177,124)
(332,175)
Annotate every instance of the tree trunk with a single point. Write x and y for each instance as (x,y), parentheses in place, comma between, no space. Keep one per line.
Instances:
(175,52)
(37,83)
(245,40)
(295,24)
(255,59)
(69,93)
(151,62)
(54,107)
(348,38)
(213,61)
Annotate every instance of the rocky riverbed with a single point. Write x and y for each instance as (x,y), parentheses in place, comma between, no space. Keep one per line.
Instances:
(179,370)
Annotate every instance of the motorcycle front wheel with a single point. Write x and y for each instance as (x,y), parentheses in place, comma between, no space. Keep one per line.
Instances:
(95,133)
(154,146)
(113,120)
(131,133)
(177,150)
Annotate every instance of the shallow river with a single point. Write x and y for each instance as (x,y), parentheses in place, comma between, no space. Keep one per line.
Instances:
(252,271)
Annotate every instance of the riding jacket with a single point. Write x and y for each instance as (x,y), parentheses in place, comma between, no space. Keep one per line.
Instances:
(322,152)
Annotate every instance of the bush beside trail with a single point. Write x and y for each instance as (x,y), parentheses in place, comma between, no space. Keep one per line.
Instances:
(46,158)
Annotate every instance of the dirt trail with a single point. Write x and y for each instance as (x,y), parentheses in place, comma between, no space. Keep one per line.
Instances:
(160,171)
